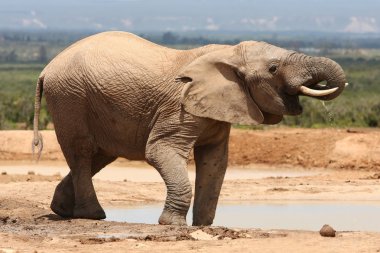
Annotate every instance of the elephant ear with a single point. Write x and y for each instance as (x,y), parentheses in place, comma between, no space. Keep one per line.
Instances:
(213,90)
(271,119)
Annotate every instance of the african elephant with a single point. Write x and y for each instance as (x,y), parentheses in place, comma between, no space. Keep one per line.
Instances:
(115,94)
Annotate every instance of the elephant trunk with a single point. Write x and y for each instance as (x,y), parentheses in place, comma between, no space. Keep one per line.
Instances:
(324,69)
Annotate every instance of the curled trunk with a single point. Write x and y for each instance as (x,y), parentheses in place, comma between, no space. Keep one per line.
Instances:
(324,69)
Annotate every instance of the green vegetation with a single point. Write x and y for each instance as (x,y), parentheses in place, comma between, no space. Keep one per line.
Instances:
(358,106)
(23,56)
(17,88)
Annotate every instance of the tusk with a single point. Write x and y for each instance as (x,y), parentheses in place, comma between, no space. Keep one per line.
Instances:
(346,84)
(316,93)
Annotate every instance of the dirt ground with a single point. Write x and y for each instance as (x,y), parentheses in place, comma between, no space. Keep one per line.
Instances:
(346,163)
(324,148)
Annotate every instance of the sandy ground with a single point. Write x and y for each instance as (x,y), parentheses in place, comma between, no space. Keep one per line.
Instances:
(327,165)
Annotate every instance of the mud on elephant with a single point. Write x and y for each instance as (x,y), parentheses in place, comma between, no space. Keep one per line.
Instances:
(115,94)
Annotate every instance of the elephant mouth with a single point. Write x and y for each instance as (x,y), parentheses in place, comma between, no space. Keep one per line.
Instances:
(282,103)
(292,105)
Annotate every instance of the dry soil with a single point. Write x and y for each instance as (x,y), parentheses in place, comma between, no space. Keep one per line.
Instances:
(346,163)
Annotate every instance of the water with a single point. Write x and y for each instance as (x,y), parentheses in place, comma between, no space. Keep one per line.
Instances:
(149,174)
(330,115)
(301,216)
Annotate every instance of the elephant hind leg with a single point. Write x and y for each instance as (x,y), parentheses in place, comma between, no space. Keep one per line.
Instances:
(64,199)
(63,202)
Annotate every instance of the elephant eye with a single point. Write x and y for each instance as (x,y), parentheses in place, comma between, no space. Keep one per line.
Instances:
(240,75)
(273,69)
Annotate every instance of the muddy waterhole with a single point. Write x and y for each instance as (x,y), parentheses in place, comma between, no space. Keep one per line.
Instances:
(294,215)
(343,216)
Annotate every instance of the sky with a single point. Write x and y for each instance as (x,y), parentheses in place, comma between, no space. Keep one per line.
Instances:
(192,15)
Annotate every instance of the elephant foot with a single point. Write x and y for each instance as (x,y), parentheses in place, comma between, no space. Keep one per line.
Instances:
(203,216)
(93,212)
(63,200)
(172,218)
(62,209)
(199,222)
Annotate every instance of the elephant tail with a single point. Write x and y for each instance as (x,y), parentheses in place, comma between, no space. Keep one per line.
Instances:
(37,140)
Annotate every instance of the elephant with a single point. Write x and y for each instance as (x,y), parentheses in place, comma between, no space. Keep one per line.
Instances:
(114,94)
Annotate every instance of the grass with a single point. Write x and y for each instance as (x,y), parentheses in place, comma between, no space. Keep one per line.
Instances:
(19,78)
(358,106)
(17,89)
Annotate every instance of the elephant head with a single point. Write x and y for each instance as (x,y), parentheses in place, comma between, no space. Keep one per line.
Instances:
(255,82)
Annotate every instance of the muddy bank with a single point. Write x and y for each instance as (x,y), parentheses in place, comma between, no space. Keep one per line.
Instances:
(326,148)
(328,165)
(27,223)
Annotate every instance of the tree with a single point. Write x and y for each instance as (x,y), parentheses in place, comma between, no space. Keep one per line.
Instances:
(11,57)
(169,38)
(42,54)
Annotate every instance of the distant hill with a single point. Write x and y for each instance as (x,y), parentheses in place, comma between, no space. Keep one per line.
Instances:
(213,16)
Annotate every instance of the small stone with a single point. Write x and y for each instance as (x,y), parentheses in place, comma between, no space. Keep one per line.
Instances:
(327,231)
(202,236)
(300,158)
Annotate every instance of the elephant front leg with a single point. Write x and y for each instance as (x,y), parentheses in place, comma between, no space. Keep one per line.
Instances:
(171,163)
(211,165)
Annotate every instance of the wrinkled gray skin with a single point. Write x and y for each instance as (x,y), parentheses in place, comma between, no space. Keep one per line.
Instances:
(117,95)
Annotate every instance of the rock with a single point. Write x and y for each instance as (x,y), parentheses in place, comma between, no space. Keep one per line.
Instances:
(327,231)
(203,236)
